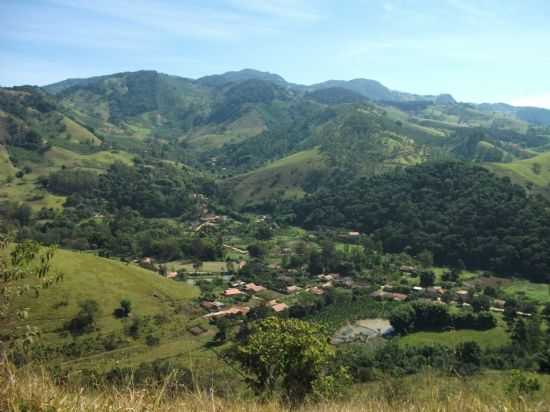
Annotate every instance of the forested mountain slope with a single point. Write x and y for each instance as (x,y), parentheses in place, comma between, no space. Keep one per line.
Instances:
(454,210)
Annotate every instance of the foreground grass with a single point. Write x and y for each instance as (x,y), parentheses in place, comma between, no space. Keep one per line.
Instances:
(34,391)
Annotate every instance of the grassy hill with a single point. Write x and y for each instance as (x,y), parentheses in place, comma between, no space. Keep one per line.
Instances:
(283,178)
(535,170)
(161,305)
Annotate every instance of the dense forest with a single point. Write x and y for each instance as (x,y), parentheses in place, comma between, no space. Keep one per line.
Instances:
(455,210)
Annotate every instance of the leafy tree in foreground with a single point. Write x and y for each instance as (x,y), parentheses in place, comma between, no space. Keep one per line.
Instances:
(26,268)
(291,354)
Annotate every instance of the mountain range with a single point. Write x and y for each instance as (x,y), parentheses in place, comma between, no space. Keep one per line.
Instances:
(258,135)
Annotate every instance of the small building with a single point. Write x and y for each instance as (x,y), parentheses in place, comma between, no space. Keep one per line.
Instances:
(399,297)
(211,306)
(346,282)
(434,292)
(146,261)
(279,307)
(171,275)
(407,269)
(292,289)
(237,284)
(327,285)
(418,288)
(253,288)
(232,292)
(234,311)
(499,303)
(463,295)
(317,291)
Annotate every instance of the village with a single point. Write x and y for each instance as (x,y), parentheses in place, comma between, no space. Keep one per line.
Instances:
(272,270)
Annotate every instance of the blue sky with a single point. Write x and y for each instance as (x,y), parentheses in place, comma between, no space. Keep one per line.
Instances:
(478,50)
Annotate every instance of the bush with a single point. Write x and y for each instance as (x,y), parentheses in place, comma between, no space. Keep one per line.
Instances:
(152,340)
(124,310)
(85,319)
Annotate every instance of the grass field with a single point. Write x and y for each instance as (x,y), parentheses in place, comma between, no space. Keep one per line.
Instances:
(207,266)
(486,339)
(79,134)
(107,281)
(163,305)
(524,171)
(27,189)
(283,178)
(6,168)
(533,291)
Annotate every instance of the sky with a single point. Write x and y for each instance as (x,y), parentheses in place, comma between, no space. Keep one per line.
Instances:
(477,50)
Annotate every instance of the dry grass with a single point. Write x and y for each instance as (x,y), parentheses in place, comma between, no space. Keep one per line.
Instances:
(25,392)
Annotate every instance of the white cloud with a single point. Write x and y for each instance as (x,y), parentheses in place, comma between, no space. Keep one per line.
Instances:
(542,100)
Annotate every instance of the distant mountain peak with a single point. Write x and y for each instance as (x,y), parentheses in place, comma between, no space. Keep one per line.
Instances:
(241,75)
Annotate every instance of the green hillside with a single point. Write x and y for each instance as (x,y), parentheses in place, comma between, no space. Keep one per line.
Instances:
(535,170)
(161,305)
(282,179)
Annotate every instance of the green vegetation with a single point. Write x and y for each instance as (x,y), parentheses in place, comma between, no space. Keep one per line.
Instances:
(491,338)
(297,212)
(535,170)
(282,179)
(454,210)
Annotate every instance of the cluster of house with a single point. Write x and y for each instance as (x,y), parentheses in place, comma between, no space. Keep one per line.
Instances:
(462,297)
(239,287)
(326,282)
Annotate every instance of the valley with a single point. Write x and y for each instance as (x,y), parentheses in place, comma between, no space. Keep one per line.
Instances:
(194,216)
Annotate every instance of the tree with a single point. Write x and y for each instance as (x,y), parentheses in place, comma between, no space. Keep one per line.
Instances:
(291,353)
(124,310)
(468,354)
(481,303)
(85,319)
(197,264)
(26,268)
(519,332)
(264,232)
(256,250)
(427,278)
(223,326)
(23,214)
(426,258)
(315,263)
(402,318)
